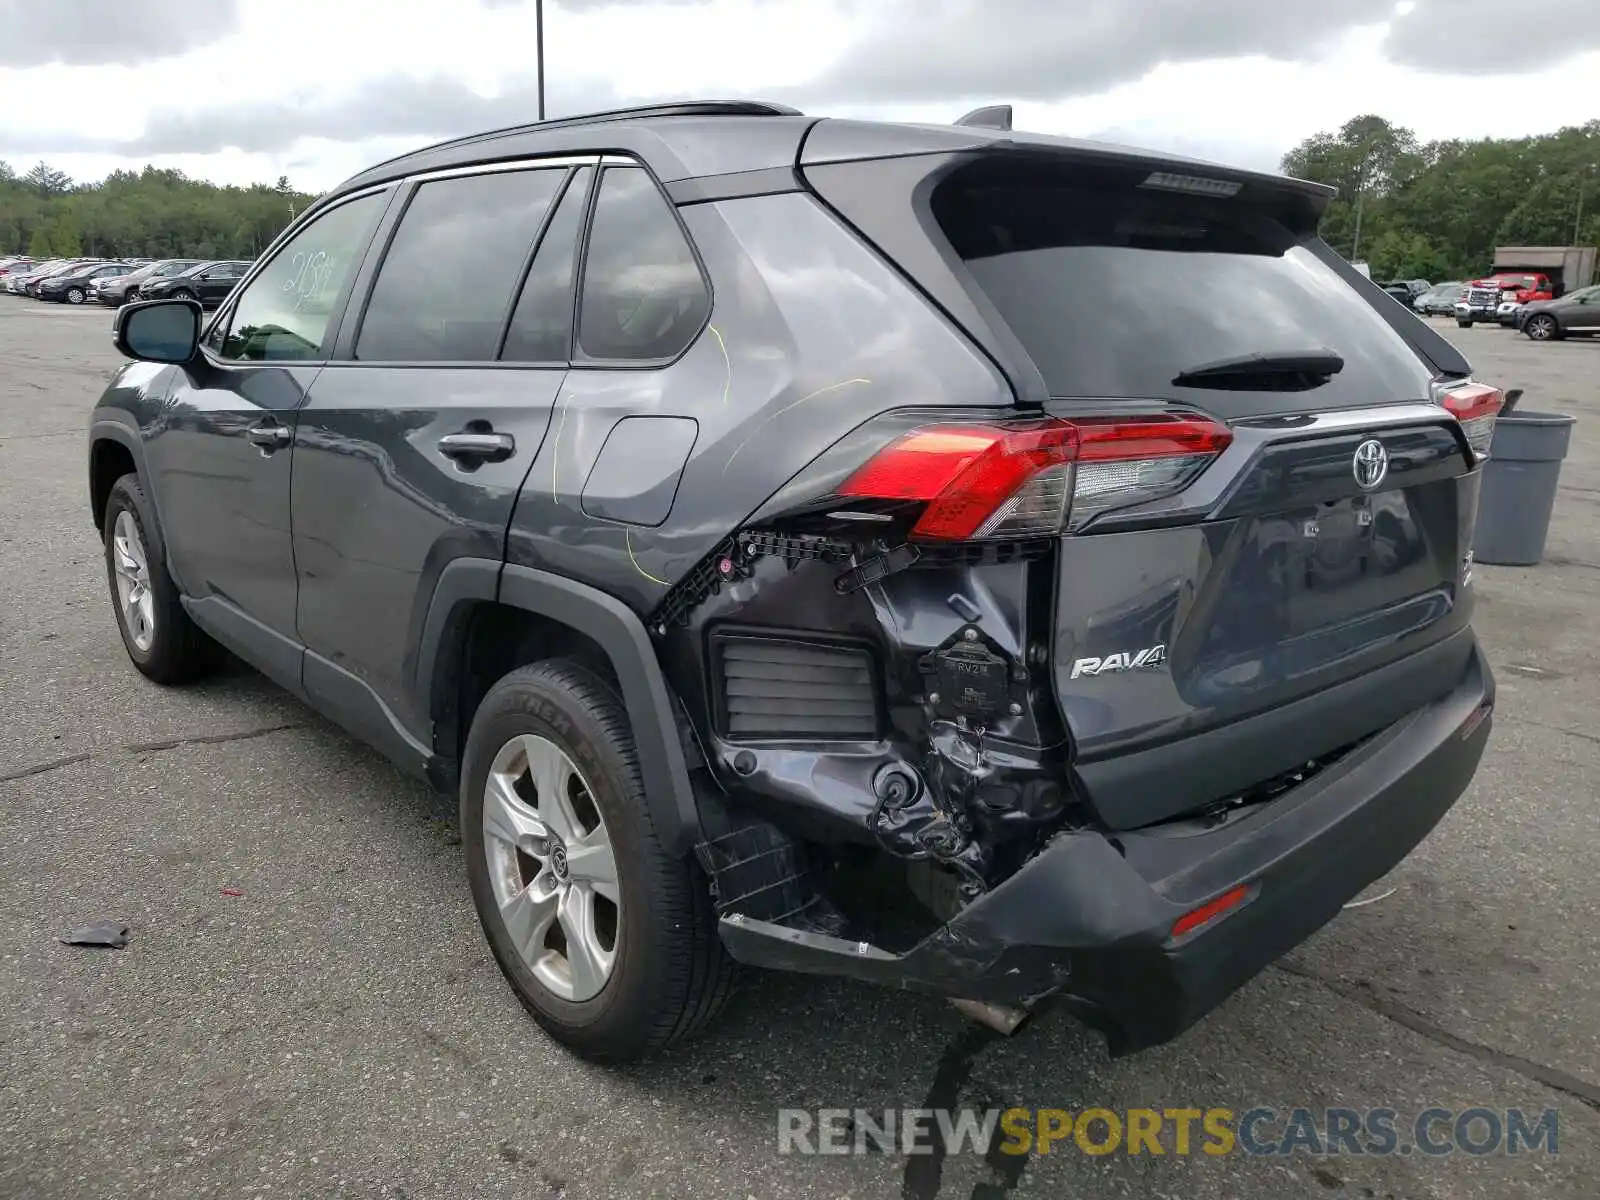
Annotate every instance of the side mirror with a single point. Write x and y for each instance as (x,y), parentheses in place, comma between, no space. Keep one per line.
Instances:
(160,331)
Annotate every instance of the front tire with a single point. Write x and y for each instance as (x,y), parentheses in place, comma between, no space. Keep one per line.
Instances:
(160,638)
(1541,327)
(74,295)
(608,940)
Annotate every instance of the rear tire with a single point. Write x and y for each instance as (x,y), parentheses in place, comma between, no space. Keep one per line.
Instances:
(160,638)
(666,974)
(1541,327)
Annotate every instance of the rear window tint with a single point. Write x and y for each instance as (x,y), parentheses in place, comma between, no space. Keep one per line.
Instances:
(1114,291)
(643,295)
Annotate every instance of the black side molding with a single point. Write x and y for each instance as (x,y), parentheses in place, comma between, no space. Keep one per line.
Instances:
(276,656)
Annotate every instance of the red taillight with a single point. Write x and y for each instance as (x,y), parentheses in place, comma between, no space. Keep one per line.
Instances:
(1024,479)
(1475,405)
(1210,910)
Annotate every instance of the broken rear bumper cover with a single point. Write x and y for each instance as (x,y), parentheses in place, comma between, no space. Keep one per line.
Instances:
(1089,920)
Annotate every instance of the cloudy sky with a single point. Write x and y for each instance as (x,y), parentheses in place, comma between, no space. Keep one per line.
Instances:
(246,90)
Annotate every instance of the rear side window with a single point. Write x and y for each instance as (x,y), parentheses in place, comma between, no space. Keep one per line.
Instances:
(442,292)
(1116,290)
(644,297)
(541,326)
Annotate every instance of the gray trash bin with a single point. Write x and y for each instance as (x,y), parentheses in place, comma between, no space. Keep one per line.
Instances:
(1519,487)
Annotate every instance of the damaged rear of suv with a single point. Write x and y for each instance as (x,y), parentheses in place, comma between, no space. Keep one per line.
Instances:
(1148,668)
(996,565)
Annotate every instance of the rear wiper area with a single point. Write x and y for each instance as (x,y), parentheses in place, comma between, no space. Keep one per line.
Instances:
(1266,371)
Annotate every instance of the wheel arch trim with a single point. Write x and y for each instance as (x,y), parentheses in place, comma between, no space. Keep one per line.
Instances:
(616,629)
(126,435)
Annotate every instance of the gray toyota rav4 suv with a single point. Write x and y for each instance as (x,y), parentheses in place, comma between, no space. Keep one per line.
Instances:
(1015,568)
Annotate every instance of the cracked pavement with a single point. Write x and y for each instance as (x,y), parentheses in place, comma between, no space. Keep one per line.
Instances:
(306,1008)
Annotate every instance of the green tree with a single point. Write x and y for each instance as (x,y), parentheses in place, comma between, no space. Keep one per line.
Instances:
(1368,160)
(1439,210)
(48,181)
(39,244)
(151,212)
(64,240)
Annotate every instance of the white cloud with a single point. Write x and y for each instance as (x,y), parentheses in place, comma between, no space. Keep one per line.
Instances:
(318,88)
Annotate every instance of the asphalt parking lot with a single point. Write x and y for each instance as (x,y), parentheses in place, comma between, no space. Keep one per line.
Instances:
(337,1029)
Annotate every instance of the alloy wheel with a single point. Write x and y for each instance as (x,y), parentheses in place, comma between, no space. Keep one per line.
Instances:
(551,867)
(1541,329)
(131,564)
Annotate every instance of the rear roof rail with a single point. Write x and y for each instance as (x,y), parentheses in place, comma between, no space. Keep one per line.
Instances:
(682,108)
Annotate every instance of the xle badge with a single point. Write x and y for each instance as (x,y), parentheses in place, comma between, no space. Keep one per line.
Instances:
(1123,660)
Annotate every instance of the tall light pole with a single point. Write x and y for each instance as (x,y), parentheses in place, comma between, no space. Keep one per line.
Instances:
(538,37)
(1577,222)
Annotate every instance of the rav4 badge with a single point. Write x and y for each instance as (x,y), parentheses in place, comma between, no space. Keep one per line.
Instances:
(1123,660)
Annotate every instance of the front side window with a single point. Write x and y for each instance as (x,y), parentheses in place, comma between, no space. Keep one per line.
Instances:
(644,297)
(442,292)
(286,314)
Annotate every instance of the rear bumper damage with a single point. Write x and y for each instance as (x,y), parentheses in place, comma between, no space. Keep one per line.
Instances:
(1089,920)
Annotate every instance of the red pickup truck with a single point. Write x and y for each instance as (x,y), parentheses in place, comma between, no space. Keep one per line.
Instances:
(1481,299)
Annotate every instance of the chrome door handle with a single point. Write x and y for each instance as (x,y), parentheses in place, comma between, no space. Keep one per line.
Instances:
(270,436)
(477,447)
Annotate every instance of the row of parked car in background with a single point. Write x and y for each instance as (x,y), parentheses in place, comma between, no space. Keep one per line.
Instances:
(1547,292)
(115,282)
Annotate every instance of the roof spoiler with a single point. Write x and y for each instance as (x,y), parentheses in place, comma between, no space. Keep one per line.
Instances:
(991,116)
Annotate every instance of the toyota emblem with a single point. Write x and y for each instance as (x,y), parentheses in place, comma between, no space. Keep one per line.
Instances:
(1371,464)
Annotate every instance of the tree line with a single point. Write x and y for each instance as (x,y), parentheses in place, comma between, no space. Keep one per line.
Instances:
(1437,210)
(151,213)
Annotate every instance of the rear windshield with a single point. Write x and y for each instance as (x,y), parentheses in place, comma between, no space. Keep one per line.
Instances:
(1115,291)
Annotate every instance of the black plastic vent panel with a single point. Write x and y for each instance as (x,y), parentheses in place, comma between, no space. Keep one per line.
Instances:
(779,688)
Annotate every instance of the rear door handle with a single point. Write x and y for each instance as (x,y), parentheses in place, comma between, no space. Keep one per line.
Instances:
(477,447)
(270,435)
